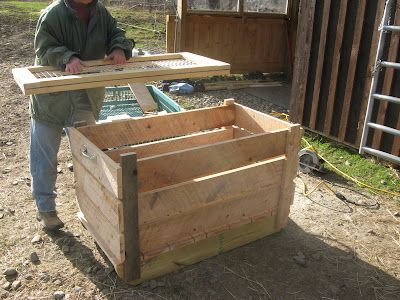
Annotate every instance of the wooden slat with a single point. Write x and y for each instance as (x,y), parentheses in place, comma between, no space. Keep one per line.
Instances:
(320,63)
(102,199)
(255,121)
(143,97)
(335,66)
(396,141)
(288,175)
(104,169)
(106,234)
(206,204)
(371,65)
(302,58)
(200,250)
(388,81)
(130,217)
(132,131)
(170,34)
(172,168)
(163,203)
(181,24)
(124,81)
(22,75)
(103,239)
(174,144)
(351,75)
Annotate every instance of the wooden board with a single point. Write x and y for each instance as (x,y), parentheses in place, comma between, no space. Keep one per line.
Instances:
(104,227)
(352,68)
(205,206)
(145,129)
(257,122)
(203,249)
(302,56)
(130,217)
(249,44)
(320,61)
(143,97)
(288,176)
(174,144)
(335,65)
(239,84)
(179,166)
(103,168)
(101,73)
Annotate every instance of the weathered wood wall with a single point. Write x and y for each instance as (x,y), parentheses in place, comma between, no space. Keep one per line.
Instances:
(248,41)
(337,43)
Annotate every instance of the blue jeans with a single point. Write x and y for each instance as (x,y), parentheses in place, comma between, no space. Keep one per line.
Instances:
(45,142)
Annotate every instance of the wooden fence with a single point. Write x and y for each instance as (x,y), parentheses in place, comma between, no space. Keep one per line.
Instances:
(248,41)
(334,62)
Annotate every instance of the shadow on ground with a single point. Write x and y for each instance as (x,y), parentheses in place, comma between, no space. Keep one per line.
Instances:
(292,264)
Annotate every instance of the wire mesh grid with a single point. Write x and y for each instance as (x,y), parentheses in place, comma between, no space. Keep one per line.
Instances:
(133,66)
(119,101)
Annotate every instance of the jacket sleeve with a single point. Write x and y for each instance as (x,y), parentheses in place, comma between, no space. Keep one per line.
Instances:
(49,48)
(117,39)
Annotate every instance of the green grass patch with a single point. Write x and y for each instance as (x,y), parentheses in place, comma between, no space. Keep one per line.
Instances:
(367,170)
(22,9)
(145,27)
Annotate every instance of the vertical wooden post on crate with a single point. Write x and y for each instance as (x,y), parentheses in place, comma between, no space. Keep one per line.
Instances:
(131,265)
(181,10)
(288,175)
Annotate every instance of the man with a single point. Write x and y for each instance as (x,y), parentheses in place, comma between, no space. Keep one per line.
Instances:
(68,33)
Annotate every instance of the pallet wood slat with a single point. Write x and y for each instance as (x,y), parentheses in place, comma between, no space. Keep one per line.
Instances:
(143,97)
(302,57)
(201,211)
(104,169)
(104,243)
(155,205)
(174,144)
(352,69)
(320,63)
(175,167)
(130,217)
(255,121)
(227,240)
(288,175)
(335,66)
(221,175)
(100,73)
(396,142)
(149,128)
(103,200)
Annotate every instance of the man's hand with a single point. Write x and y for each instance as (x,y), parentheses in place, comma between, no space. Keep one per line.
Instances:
(75,65)
(117,56)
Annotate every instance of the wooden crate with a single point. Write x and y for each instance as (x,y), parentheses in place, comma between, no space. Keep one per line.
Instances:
(161,192)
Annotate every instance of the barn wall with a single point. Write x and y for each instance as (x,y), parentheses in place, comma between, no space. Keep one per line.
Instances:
(337,43)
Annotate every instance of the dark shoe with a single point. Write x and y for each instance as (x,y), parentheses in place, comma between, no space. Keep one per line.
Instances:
(49,220)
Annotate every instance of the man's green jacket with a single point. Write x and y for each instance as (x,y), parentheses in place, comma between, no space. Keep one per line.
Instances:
(61,34)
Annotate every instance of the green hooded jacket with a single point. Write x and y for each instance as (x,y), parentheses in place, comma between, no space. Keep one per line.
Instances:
(61,34)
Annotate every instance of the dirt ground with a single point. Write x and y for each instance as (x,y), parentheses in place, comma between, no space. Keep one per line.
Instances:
(329,250)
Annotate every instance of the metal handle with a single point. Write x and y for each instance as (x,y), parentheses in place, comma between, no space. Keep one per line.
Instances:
(85,153)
